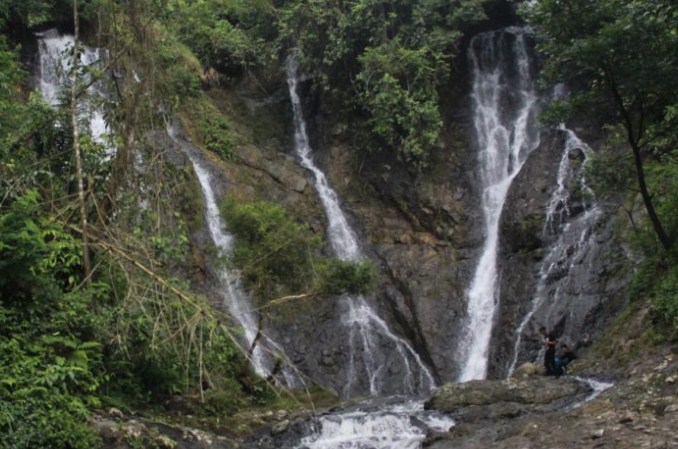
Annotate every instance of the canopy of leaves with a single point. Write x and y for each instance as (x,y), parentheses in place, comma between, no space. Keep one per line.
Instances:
(227,35)
(384,60)
(31,12)
(621,57)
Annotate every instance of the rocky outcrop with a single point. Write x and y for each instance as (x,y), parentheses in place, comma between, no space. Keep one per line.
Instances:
(491,400)
(561,264)
(639,411)
(424,230)
(118,430)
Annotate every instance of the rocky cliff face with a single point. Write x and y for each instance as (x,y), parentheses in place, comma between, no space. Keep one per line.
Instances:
(561,266)
(424,231)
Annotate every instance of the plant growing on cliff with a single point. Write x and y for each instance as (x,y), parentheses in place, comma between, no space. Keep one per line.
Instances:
(226,35)
(383,60)
(280,257)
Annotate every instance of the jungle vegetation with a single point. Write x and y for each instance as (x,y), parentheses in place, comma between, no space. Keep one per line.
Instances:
(95,301)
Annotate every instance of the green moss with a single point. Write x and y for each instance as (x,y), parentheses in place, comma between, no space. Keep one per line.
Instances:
(210,128)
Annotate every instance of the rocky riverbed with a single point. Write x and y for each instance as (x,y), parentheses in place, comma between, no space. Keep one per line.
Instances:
(638,411)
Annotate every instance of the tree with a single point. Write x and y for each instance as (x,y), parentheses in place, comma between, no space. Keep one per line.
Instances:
(76,143)
(383,60)
(622,54)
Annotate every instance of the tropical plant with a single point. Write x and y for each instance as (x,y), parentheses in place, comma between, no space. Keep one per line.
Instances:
(620,57)
(384,60)
(278,256)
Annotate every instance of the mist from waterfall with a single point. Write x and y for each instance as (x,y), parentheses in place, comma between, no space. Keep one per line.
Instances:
(368,331)
(505,106)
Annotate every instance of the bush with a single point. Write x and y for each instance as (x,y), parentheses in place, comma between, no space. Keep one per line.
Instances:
(665,304)
(212,128)
(340,276)
(45,420)
(278,256)
(274,253)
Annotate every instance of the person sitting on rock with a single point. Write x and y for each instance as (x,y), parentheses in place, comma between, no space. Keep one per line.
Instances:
(549,343)
(564,357)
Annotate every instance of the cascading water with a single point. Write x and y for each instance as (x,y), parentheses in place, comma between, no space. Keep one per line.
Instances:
(597,388)
(54,67)
(569,221)
(377,427)
(505,106)
(368,331)
(234,297)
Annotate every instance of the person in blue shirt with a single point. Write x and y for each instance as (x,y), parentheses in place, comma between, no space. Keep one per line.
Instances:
(564,357)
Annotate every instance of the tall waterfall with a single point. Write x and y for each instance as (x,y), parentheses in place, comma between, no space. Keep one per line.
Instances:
(569,224)
(234,297)
(505,106)
(369,332)
(55,60)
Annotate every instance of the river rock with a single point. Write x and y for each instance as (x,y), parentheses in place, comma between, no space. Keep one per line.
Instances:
(530,392)
(528,370)
(280,427)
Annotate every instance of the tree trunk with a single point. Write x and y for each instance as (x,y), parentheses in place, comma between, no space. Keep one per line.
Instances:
(634,137)
(647,199)
(76,144)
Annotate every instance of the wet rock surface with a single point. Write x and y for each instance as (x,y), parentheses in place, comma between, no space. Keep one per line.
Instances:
(639,411)
(123,431)
(511,397)
(528,411)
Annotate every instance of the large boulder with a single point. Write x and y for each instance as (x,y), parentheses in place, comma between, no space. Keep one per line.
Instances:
(483,399)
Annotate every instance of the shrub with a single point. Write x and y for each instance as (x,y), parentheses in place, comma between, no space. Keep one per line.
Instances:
(278,256)
(665,304)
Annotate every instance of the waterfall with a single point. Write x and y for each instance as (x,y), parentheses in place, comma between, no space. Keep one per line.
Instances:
(54,67)
(233,295)
(505,105)
(377,427)
(570,223)
(367,330)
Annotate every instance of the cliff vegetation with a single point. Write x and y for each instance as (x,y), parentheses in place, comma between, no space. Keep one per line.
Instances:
(102,298)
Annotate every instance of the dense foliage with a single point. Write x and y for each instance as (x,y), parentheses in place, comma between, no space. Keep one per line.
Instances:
(131,333)
(47,335)
(279,257)
(383,60)
(620,58)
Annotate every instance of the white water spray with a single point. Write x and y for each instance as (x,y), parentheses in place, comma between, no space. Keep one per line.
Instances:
(574,236)
(597,386)
(367,328)
(389,427)
(506,130)
(54,67)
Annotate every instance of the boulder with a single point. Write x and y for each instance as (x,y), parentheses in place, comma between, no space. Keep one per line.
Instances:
(532,392)
(527,370)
